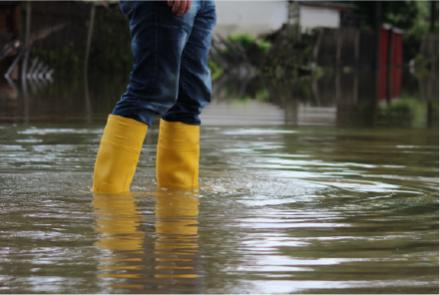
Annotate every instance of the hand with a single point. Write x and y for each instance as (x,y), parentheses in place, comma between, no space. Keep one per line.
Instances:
(179,7)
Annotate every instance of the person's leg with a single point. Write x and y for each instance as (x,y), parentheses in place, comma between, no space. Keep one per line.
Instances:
(157,41)
(158,38)
(195,77)
(177,162)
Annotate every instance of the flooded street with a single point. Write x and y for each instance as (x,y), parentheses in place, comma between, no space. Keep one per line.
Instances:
(282,208)
(319,160)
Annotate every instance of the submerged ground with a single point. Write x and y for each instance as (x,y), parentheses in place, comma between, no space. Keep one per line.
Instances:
(281,208)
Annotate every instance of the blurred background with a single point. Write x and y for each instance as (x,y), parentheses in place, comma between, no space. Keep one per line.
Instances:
(355,63)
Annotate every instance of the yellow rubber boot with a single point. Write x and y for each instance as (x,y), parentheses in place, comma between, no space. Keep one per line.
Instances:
(178,151)
(118,154)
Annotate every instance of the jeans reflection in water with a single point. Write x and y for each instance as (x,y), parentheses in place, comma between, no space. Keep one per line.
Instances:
(132,260)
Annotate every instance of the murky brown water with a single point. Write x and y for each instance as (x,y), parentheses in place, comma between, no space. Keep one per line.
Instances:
(281,209)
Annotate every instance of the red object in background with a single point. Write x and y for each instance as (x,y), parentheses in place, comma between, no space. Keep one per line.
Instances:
(390,63)
(396,62)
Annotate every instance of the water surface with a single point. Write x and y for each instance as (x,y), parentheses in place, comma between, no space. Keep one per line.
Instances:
(281,209)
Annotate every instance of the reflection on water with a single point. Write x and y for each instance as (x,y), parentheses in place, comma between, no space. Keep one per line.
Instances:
(117,224)
(176,246)
(338,98)
(135,258)
(281,209)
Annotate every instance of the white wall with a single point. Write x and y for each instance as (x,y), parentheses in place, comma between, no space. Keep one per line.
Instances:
(258,17)
(312,17)
(253,17)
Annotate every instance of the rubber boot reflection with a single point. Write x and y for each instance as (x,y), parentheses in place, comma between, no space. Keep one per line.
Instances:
(176,246)
(118,224)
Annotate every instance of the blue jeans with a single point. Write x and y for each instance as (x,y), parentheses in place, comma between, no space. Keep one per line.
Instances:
(170,75)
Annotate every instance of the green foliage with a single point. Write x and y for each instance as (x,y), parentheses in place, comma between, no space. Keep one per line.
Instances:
(420,25)
(406,112)
(262,94)
(290,55)
(240,49)
(287,54)
(402,14)
(250,42)
(216,69)
(277,59)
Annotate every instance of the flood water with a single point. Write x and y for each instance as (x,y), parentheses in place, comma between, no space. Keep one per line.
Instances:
(302,205)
